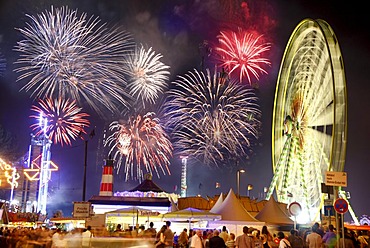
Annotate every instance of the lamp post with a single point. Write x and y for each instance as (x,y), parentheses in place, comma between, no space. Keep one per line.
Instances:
(91,135)
(238,180)
(85,167)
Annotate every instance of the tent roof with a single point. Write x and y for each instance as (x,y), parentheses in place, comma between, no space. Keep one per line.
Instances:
(272,213)
(232,210)
(217,204)
(147,185)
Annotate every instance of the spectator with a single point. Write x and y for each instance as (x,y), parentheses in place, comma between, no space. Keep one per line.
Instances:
(168,236)
(348,243)
(151,232)
(159,242)
(314,240)
(283,243)
(330,237)
(86,237)
(183,239)
(244,240)
(224,234)
(295,240)
(216,241)
(231,242)
(197,240)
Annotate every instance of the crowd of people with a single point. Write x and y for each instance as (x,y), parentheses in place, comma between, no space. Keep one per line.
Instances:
(314,237)
(44,237)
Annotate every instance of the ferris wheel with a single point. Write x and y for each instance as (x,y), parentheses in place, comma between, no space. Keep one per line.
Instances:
(309,132)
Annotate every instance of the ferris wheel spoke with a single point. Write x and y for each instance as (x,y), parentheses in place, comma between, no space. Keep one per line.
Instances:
(279,170)
(322,116)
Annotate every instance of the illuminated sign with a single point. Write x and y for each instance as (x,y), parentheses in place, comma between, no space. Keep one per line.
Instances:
(8,176)
(33,173)
(336,178)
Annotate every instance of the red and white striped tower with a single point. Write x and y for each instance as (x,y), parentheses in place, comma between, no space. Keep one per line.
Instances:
(106,185)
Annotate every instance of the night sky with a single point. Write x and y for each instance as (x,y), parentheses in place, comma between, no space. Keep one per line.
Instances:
(175,29)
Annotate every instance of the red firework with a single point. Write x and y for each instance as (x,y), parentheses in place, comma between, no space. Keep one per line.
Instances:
(61,120)
(242,53)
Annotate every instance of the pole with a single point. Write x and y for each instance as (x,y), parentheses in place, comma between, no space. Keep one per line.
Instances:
(84,179)
(342,221)
(295,222)
(238,182)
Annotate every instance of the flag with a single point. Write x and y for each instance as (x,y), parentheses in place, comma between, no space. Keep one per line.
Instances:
(218,185)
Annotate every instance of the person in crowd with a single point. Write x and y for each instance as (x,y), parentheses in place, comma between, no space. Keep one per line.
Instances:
(151,232)
(141,232)
(265,243)
(207,234)
(314,240)
(160,239)
(86,237)
(283,241)
(353,237)
(244,240)
(175,240)
(330,237)
(318,229)
(224,234)
(168,236)
(57,239)
(270,238)
(216,241)
(192,233)
(118,228)
(362,239)
(276,240)
(197,240)
(257,238)
(230,243)
(348,242)
(183,239)
(73,239)
(295,240)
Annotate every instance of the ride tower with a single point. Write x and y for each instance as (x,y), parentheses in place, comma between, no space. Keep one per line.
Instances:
(39,158)
(184,162)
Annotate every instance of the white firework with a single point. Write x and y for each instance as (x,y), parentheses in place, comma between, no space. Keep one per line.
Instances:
(147,75)
(70,56)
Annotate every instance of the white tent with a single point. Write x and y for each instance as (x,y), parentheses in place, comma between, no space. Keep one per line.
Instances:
(217,204)
(273,214)
(234,215)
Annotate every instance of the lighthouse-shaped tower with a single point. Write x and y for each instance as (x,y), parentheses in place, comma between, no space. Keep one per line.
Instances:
(106,185)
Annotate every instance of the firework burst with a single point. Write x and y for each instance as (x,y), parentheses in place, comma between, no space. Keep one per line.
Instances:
(70,56)
(141,144)
(211,118)
(241,53)
(147,75)
(64,120)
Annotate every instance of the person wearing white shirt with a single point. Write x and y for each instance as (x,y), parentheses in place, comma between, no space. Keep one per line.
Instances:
(197,240)
(86,237)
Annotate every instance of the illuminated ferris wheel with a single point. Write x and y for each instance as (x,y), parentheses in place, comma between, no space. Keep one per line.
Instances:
(310,115)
